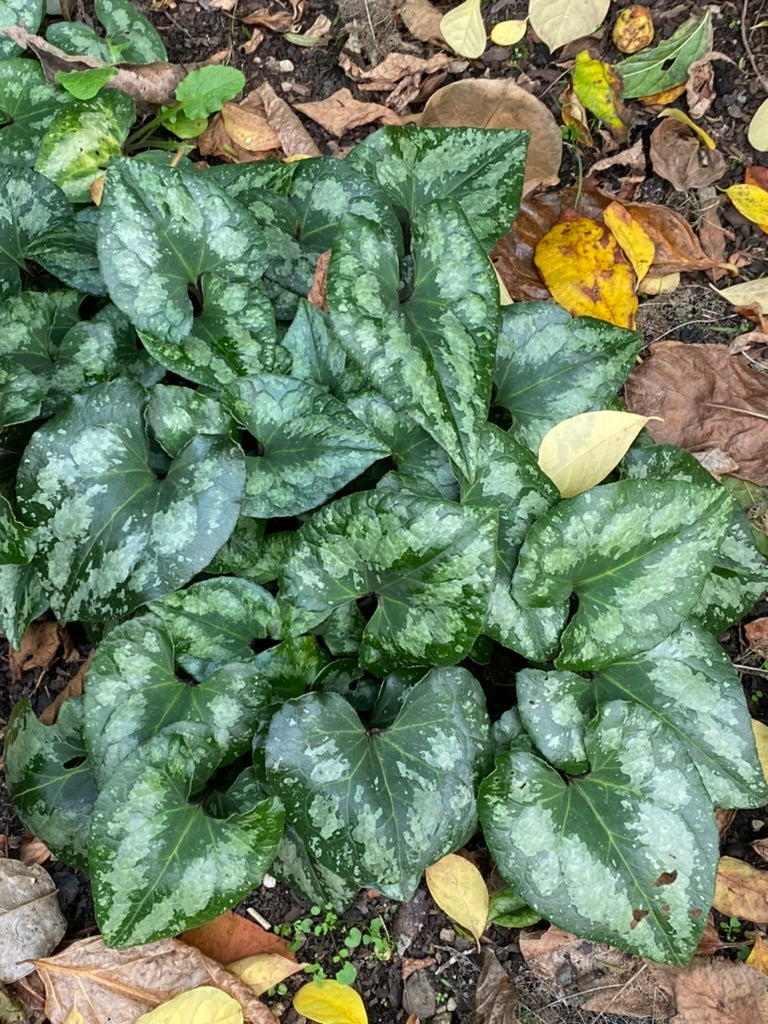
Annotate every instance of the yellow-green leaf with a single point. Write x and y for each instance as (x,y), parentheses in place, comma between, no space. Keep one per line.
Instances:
(203,1005)
(635,242)
(509,33)
(579,452)
(757,133)
(598,86)
(458,888)
(752,201)
(463,29)
(263,970)
(328,1002)
(557,22)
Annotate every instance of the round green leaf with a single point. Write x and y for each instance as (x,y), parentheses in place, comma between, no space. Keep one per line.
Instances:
(159,863)
(379,808)
(312,444)
(49,779)
(204,90)
(625,854)
(111,535)
(635,553)
(429,564)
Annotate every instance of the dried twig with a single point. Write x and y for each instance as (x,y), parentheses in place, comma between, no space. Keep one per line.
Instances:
(744,38)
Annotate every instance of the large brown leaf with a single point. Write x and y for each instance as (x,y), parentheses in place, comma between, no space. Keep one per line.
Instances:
(118,985)
(500,103)
(679,157)
(495,998)
(706,398)
(341,112)
(716,992)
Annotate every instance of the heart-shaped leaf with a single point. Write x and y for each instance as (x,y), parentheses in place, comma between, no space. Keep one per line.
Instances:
(49,779)
(160,864)
(111,534)
(312,445)
(379,808)
(29,104)
(625,854)
(136,37)
(429,564)
(480,168)
(428,347)
(618,548)
(68,251)
(550,366)
(30,205)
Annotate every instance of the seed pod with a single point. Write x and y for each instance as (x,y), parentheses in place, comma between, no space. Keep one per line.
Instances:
(633,29)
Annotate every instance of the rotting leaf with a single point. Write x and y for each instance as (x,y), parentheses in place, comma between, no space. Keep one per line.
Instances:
(598,87)
(678,156)
(633,29)
(495,996)
(328,1002)
(340,112)
(458,888)
(704,992)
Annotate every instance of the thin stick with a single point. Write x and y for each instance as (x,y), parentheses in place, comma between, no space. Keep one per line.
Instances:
(749,670)
(733,408)
(760,77)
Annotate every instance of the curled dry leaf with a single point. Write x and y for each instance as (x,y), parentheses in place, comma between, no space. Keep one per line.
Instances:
(495,997)
(574,115)
(633,158)
(422,19)
(760,846)
(317,292)
(119,985)
(700,90)
(277,21)
(586,272)
(706,398)
(341,112)
(741,890)
(295,140)
(249,129)
(458,888)
(39,646)
(31,923)
(500,103)
(678,156)
(258,126)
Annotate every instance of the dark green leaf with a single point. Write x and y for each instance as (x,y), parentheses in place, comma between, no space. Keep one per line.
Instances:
(111,535)
(28,13)
(656,69)
(429,564)
(554,708)
(636,555)
(30,205)
(136,37)
(625,854)
(378,809)
(28,103)
(550,366)
(21,600)
(480,168)
(311,444)
(175,415)
(429,350)
(17,542)
(78,39)
(509,910)
(317,354)
(68,251)
(49,779)
(160,864)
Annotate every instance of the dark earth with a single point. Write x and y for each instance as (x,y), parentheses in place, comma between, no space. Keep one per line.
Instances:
(443,991)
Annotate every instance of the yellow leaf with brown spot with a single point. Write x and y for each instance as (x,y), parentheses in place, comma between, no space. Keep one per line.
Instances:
(586,272)
(741,891)
(633,29)
(758,955)
(203,1005)
(579,452)
(328,1002)
(458,888)
(752,201)
(598,86)
(631,236)
(263,970)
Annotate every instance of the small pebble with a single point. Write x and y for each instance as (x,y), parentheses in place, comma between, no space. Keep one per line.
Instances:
(447,935)
(286,66)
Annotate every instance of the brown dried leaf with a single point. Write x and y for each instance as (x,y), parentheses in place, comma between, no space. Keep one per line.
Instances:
(410,965)
(711,233)
(261,119)
(633,158)
(31,922)
(341,112)
(500,103)
(716,461)
(422,19)
(495,997)
(678,156)
(756,175)
(677,247)
(277,21)
(393,69)
(760,846)
(724,817)
(741,890)
(710,941)
(700,88)
(513,255)
(119,985)
(758,955)
(295,140)
(74,688)
(233,937)
(756,634)
(706,398)
(718,992)
(317,291)
(39,646)
(249,129)
(33,851)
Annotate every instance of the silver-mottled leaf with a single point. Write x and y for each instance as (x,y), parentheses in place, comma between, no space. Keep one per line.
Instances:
(17,542)
(22,599)
(68,251)
(136,36)
(317,354)
(28,13)
(427,345)
(429,564)
(625,854)
(550,366)
(175,415)
(378,809)
(28,103)
(635,553)
(311,444)
(554,708)
(30,205)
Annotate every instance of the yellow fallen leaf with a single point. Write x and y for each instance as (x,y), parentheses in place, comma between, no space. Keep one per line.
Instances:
(579,452)
(633,29)
(760,732)
(203,1005)
(328,1002)
(680,115)
(505,299)
(463,29)
(74,1016)
(263,970)
(632,237)
(586,272)
(598,86)
(758,955)
(458,888)
(757,133)
(752,201)
(741,890)
(663,97)
(509,33)
(747,293)
(659,285)
(557,22)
